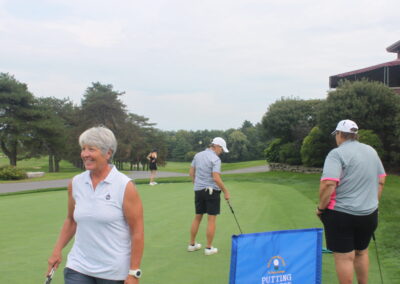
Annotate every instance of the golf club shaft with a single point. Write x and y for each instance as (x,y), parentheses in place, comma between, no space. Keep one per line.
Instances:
(50,276)
(240,229)
(377,257)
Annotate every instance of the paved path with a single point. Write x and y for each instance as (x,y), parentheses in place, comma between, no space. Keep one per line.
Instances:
(21,186)
(257,169)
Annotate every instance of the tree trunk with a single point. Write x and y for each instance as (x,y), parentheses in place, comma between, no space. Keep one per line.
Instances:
(13,155)
(57,164)
(13,161)
(10,153)
(51,163)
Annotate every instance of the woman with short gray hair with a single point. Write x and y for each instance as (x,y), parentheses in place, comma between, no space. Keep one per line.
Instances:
(105,215)
(101,137)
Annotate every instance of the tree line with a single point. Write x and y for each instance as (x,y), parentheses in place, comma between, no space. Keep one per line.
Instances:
(298,131)
(292,130)
(34,127)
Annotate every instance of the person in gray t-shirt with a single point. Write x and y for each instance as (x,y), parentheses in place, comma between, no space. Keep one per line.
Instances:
(205,172)
(351,185)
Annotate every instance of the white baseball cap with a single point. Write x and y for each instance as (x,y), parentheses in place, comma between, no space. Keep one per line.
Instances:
(346,125)
(220,142)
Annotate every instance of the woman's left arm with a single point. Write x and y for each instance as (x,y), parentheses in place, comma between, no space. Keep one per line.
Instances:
(133,211)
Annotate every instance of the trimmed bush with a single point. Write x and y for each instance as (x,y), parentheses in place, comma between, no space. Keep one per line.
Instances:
(272,151)
(289,153)
(11,173)
(189,156)
(314,149)
(370,138)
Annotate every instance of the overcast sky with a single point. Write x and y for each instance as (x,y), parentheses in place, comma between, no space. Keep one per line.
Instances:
(208,64)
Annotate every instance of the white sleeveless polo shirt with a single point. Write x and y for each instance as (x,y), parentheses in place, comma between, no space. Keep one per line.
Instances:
(102,244)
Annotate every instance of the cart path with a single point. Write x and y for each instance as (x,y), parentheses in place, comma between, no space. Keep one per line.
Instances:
(21,186)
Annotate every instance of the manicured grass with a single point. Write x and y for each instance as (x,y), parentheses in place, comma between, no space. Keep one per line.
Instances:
(38,165)
(241,165)
(262,202)
(178,167)
(67,170)
(183,167)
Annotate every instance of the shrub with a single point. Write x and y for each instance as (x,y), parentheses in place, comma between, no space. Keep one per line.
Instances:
(272,151)
(11,173)
(189,156)
(372,139)
(289,153)
(314,149)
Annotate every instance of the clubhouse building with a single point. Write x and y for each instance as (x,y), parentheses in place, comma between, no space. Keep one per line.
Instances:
(387,73)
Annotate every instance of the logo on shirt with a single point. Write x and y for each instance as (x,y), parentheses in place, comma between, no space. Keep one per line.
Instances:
(108,196)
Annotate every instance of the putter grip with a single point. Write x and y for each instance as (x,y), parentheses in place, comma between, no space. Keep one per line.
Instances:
(50,276)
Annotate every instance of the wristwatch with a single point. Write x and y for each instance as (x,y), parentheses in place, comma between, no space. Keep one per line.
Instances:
(137,273)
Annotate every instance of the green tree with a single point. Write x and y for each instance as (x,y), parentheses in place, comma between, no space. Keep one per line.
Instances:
(290,119)
(315,147)
(51,131)
(238,146)
(182,146)
(136,141)
(370,138)
(373,106)
(17,113)
(272,150)
(255,143)
(289,153)
(101,105)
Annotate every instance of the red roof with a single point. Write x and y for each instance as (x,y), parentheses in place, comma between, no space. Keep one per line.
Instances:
(390,63)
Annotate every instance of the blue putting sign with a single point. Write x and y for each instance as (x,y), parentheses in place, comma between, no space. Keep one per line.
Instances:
(284,257)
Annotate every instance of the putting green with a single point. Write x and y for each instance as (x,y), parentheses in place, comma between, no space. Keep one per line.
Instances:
(31,223)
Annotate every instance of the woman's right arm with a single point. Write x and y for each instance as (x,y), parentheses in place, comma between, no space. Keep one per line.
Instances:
(66,234)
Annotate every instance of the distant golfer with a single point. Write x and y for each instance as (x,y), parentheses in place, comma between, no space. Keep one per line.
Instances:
(152,157)
(105,215)
(351,186)
(205,172)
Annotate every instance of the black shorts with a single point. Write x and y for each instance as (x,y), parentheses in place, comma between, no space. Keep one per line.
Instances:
(153,166)
(345,232)
(206,203)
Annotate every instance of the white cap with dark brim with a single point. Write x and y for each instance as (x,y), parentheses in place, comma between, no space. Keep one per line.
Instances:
(347,126)
(220,142)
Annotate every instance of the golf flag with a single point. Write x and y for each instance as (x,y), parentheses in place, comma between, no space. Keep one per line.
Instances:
(284,257)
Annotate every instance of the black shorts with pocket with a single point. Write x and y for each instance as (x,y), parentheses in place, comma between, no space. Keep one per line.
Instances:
(345,232)
(207,203)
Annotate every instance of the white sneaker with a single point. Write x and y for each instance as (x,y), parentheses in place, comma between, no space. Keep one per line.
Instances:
(152,183)
(210,251)
(195,247)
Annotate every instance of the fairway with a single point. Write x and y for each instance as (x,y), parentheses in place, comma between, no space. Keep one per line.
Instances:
(31,223)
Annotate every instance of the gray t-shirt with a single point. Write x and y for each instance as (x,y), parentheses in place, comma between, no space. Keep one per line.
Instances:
(356,168)
(205,163)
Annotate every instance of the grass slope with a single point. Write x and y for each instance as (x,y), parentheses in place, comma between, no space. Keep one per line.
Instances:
(262,202)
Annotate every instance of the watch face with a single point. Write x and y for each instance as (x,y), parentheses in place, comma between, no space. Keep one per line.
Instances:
(135,273)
